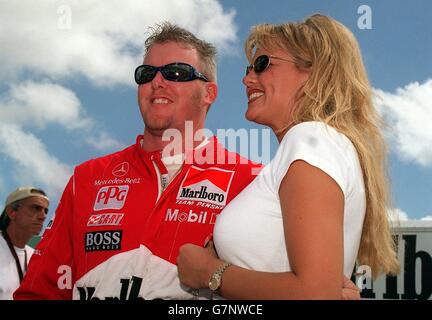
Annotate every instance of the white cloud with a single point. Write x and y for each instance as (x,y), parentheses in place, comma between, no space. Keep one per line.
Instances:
(396,214)
(101,40)
(409,113)
(34,165)
(33,104)
(38,104)
(103,141)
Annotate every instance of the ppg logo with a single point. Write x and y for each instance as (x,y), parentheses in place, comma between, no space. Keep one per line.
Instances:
(111,197)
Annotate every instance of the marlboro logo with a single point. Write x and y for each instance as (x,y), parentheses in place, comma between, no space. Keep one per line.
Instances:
(208,185)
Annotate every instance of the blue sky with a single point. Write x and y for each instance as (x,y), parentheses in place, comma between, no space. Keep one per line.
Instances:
(67,92)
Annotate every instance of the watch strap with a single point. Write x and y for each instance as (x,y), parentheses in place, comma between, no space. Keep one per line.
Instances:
(217,275)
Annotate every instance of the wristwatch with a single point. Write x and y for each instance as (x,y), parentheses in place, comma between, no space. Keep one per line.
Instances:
(216,279)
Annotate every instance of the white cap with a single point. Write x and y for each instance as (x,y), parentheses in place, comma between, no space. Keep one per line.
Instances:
(23,193)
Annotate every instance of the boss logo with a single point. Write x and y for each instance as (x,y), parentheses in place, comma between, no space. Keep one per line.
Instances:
(103,240)
(111,197)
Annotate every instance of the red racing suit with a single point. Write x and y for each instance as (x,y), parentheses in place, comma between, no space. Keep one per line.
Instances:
(116,235)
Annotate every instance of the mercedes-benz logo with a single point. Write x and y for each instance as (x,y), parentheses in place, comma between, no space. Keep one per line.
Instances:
(121,169)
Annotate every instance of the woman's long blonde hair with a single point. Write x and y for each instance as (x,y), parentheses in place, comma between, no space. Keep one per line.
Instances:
(338,93)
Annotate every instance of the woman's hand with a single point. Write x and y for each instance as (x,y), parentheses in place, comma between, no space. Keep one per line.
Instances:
(350,290)
(196,264)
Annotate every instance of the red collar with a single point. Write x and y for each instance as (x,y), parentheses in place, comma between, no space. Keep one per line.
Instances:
(157,153)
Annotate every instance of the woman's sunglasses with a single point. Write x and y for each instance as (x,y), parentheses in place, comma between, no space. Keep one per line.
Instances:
(261,63)
(178,71)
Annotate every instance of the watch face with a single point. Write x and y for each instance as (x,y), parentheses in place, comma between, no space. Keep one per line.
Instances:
(214,284)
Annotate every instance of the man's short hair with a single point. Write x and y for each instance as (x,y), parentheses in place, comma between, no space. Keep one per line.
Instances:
(167,31)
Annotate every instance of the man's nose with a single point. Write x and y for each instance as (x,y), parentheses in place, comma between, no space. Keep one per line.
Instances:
(158,81)
(42,213)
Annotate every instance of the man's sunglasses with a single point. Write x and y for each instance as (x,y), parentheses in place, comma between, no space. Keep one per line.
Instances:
(178,71)
(261,63)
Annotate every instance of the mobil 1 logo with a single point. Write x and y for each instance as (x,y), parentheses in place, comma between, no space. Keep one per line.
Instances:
(103,240)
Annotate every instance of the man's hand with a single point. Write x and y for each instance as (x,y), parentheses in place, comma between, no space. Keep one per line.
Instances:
(195,264)
(350,290)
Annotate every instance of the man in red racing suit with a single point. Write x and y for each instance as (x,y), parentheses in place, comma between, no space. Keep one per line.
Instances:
(116,235)
(122,217)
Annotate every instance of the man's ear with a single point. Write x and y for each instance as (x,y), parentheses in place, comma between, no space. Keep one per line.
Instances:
(211,92)
(11,213)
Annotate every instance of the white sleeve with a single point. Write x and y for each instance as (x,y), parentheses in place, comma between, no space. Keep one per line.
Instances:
(319,145)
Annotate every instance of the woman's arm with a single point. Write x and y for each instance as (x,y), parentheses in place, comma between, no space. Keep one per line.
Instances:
(312,207)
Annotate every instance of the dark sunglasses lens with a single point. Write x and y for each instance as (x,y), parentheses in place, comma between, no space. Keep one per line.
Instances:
(178,72)
(144,74)
(249,69)
(261,63)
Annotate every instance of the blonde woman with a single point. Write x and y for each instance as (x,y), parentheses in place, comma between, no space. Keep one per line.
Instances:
(320,204)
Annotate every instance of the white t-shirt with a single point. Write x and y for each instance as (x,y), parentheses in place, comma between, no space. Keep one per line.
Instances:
(249,231)
(9,278)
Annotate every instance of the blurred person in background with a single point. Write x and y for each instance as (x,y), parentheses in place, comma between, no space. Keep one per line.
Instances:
(22,218)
